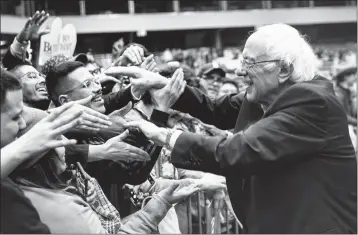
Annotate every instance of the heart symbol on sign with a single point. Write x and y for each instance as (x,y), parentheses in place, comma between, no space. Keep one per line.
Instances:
(58,41)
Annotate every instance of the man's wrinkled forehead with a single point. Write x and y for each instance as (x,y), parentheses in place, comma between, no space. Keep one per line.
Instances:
(21,70)
(254,49)
(73,79)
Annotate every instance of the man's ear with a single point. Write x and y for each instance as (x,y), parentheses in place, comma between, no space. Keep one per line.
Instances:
(62,99)
(285,72)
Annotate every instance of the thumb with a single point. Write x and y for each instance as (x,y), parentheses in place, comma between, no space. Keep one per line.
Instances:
(44,32)
(123,111)
(123,135)
(119,138)
(84,101)
(172,187)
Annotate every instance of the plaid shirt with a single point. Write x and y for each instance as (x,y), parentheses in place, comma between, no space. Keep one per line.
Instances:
(106,212)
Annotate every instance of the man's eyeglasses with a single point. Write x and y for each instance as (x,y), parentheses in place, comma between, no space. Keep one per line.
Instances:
(96,71)
(246,64)
(33,75)
(89,83)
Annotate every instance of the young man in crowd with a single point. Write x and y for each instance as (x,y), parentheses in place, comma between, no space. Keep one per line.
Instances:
(71,81)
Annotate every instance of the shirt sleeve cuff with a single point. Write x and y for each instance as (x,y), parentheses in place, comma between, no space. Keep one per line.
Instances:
(18,49)
(174,138)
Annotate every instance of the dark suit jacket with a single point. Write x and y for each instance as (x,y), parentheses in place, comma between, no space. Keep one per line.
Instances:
(291,169)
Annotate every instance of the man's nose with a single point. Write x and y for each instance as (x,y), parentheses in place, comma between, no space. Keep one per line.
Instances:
(96,87)
(241,72)
(41,79)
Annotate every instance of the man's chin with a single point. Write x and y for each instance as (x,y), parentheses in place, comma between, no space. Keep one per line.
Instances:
(252,97)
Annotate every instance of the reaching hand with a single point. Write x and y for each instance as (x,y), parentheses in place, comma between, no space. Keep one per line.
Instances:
(151,131)
(165,98)
(88,118)
(149,64)
(31,30)
(132,55)
(141,79)
(211,182)
(178,191)
(117,150)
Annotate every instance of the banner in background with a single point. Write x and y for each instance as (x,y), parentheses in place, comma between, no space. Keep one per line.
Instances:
(58,41)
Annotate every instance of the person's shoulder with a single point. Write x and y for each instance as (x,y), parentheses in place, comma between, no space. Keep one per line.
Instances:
(317,89)
(304,94)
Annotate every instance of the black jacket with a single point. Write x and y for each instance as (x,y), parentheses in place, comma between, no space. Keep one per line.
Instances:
(291,169)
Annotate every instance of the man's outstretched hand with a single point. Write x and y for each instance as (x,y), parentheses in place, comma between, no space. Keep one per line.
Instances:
(31,30)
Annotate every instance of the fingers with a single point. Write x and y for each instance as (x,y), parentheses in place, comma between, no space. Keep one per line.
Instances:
(136,154)
(43,19)
(178,78)
(138,52)
(130,55)
(64,127)
(28,23)
(66,118)
(106,78)
(131,71)
(85,127)
(95,119)
(137,55)
(151,65)
(61,143)
(189,190)
(55,112)
(35,16)
(38,18)
(141,51)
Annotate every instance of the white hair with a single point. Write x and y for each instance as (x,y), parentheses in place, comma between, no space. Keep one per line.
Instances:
(285,43)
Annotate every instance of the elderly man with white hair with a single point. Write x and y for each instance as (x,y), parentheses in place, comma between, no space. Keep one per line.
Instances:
(290,166)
